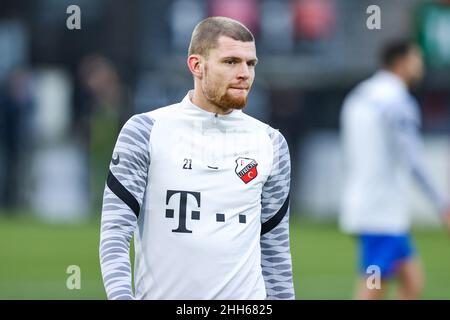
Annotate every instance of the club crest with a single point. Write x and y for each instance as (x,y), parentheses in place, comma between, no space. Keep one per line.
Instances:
(246,169)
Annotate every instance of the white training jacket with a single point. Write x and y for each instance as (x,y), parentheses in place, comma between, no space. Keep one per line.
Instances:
(206,197)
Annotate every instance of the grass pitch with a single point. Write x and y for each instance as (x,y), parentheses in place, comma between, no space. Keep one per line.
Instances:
(34,258)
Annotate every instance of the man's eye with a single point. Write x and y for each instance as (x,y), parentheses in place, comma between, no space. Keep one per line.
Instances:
(230,62)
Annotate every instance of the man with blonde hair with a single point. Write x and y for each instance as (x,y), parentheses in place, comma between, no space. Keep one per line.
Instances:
(203,187)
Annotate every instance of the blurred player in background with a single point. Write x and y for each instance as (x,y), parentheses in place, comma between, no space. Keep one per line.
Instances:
(380,125)
(203,187)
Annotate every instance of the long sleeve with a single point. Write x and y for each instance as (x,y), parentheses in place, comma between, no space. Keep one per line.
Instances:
(123,197)
(406,131)
(275,247)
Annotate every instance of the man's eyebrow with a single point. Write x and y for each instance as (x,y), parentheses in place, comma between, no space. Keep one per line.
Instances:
(231,58)
(255,60)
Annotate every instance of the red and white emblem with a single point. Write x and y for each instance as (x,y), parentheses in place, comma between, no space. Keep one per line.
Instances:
(246,169)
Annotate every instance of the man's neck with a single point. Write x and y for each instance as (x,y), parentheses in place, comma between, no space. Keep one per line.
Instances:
(200,100)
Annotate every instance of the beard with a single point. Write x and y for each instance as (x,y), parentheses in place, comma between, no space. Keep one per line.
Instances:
(227,101)
(224,101)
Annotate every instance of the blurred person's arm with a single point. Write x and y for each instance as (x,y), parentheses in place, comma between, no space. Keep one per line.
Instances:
(275,247)
(122,200)
(407,134)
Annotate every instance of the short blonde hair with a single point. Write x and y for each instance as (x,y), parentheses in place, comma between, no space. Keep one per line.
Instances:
(207,32)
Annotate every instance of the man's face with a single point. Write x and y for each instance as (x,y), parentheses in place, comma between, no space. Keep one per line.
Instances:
(228,73)
(414,65)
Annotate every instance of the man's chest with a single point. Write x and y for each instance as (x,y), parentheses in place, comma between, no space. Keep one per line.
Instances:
(206,151)
(213,177)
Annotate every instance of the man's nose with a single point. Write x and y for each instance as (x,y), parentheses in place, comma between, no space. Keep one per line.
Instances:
(244,71)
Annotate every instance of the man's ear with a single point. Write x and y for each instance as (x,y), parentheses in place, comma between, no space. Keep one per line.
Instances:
(195,65)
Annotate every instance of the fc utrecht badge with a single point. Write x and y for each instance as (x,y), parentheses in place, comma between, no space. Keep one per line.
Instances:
(246,169)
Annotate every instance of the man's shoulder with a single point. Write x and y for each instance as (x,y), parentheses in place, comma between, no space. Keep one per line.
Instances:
(378,86)
(150,117)
(162,111)
(266,129)
(255,123)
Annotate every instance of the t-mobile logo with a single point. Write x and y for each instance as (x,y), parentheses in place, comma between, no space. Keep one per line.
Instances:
(195,214)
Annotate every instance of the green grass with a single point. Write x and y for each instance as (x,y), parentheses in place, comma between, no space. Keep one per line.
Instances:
(325,261)
(34,258)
